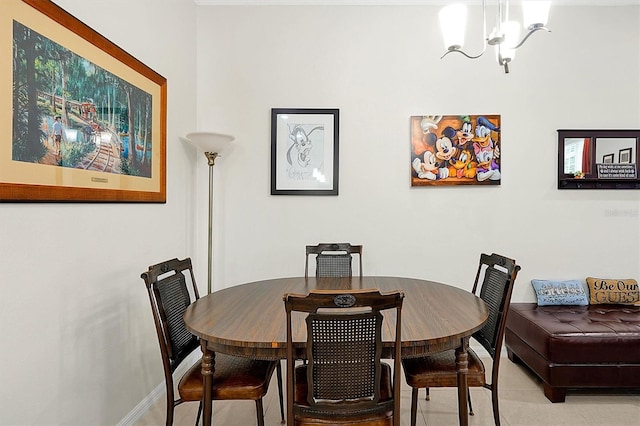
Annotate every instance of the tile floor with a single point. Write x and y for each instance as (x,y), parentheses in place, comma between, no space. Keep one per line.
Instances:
(522,403)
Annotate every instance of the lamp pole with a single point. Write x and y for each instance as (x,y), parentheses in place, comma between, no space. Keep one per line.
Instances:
(212,144)
(211,158)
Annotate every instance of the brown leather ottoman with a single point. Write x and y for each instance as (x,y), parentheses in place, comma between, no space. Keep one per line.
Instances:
(595,346)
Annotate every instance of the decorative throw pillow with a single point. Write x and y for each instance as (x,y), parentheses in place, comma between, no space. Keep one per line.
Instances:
(613,291)
(560,292)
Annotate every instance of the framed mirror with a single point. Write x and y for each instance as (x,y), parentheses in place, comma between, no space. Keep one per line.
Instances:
(598,159)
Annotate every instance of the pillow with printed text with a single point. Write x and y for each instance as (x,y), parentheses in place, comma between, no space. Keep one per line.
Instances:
(615,291)
(551,293)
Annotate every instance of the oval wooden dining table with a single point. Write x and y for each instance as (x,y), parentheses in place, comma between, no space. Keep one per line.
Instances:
(249,320)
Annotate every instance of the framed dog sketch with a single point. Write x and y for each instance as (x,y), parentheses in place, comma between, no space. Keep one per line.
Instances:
(455,150)
(304,151)
(88,121)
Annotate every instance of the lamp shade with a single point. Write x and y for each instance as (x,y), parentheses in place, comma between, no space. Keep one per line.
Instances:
(209,141)
(535,13)
(506,51)
(453,21)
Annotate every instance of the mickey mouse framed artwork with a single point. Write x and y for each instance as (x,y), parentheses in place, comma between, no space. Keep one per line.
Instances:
(455,150)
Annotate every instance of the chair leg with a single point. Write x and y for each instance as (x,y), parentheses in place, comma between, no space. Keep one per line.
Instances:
(170,407)
(494,400)
(199,413)
(414,405)
(280,392)
(427,397)
(469,401)
(259,412)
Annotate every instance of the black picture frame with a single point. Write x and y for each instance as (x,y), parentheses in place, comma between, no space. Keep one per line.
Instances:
(304,151)
(608,159)
(624,156)
(585,147)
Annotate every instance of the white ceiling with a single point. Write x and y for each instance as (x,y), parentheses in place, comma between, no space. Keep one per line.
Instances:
(397,2)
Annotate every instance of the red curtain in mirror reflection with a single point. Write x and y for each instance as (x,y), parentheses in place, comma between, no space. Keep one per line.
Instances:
(586,156)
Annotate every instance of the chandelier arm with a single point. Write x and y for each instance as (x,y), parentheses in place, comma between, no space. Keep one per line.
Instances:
(464,53)
(531,31)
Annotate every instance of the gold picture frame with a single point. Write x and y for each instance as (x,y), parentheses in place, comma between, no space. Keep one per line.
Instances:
(89,120)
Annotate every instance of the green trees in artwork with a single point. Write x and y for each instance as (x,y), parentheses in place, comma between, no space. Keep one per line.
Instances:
(27,134)
(50,80)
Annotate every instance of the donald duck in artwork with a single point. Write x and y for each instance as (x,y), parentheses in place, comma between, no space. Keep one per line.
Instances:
(486,151)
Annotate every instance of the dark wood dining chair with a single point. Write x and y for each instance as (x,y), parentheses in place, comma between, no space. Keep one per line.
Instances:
(344,381)
(333,259)
(439,370)
(233,378)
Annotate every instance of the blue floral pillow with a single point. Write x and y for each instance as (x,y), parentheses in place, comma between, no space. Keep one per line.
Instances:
(560,292)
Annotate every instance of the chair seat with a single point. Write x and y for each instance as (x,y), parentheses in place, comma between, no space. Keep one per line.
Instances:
(233,378)
(439,370)
(301,394)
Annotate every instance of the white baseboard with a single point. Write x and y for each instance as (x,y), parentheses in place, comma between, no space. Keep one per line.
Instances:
(148,401)
(143,406)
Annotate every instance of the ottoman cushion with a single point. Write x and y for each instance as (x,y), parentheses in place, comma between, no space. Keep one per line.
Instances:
(579,334)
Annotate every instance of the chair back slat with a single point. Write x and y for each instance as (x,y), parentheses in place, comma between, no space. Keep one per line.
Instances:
(173,299)
(333,265)
(497,285)
(170,295)
(333,259)
(342,340)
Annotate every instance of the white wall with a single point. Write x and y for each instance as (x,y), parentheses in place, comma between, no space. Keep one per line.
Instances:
(379,66)
(78,341)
